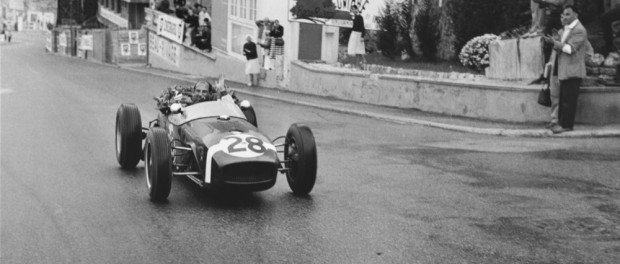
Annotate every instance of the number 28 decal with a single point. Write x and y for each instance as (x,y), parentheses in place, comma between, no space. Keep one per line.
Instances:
(244,146)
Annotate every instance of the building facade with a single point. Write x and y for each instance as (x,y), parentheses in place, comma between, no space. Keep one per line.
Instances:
(128,14)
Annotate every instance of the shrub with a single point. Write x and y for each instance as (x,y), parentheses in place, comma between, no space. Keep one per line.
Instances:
(395,23)
(426,28)
(405,19)
(387,37)
(475,53)
(473,18)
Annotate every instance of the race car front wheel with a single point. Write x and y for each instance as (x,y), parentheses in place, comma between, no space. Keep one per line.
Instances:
(300,154)
(128,136)
(158,165)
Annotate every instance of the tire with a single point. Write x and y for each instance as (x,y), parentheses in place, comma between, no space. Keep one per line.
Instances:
(300,151)
(158,164)
(128,136)
(250,115)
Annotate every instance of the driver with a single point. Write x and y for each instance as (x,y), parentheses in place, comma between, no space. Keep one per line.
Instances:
(204,91)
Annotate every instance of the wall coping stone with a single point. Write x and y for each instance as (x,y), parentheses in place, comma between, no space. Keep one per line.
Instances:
(453,79)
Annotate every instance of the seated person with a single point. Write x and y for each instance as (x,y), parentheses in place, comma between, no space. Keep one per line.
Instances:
(164,6)
(204,91)
(202,36)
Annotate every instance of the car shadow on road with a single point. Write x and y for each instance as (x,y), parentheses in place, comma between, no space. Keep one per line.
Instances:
(217,199)
(238,200)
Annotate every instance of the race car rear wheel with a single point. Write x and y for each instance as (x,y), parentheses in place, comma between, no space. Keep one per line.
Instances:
(128,136)
(158,167)
(250,115)
(300,154)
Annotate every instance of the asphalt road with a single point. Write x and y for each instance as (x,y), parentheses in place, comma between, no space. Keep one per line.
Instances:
(386,193)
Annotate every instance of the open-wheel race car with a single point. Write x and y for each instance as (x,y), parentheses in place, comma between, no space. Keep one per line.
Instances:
(216,144)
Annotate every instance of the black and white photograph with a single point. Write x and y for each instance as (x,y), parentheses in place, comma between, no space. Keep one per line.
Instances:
(310,131)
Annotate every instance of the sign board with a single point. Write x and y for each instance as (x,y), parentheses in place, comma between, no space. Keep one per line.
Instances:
(337,13)
(142,49)
(86,42)
(62,39)
(171,28)
(125,49)
(134,37)
(34,16)
(164,48)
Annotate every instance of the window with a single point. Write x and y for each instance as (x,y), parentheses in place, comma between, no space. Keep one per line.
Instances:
(242,14)
(237,39)
(243,9)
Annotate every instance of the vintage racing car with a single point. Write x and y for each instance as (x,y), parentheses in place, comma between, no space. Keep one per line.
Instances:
(216,144)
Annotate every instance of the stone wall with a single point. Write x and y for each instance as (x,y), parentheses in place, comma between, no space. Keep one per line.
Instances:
(449,94)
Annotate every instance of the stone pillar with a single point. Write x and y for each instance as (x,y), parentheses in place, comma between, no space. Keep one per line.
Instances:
(515,59)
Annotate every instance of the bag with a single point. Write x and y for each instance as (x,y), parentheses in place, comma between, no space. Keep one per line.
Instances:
(544,97)
(279,42)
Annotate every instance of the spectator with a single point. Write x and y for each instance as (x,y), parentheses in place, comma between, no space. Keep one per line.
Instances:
(191,23)
(252,67)
(164,7)
(264,40)
(180,10)
(356,39)
(554,84)
(277,43)
(179,3)
(538,14)
(202,14)
(8,35)
(569,67)
(203,36)
(550,12)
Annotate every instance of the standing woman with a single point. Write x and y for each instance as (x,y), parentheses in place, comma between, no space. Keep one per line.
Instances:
(277,43)
(252,68)
(356,40)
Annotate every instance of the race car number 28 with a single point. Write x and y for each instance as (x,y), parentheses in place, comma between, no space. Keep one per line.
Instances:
(244,146)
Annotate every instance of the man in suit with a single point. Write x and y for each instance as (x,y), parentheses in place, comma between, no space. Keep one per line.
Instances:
(570,66)
(554,82)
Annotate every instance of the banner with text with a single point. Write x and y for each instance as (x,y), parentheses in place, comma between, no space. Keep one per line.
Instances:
(170,27)
(62,39)
(86,42)
(335,12)
(164,48)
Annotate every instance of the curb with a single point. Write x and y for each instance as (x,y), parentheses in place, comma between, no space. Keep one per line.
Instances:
(399,120)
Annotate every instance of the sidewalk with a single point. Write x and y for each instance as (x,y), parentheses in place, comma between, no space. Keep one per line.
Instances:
(401,116)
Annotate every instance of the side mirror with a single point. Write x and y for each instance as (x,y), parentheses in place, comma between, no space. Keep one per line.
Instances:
(245,104)
(176,108)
